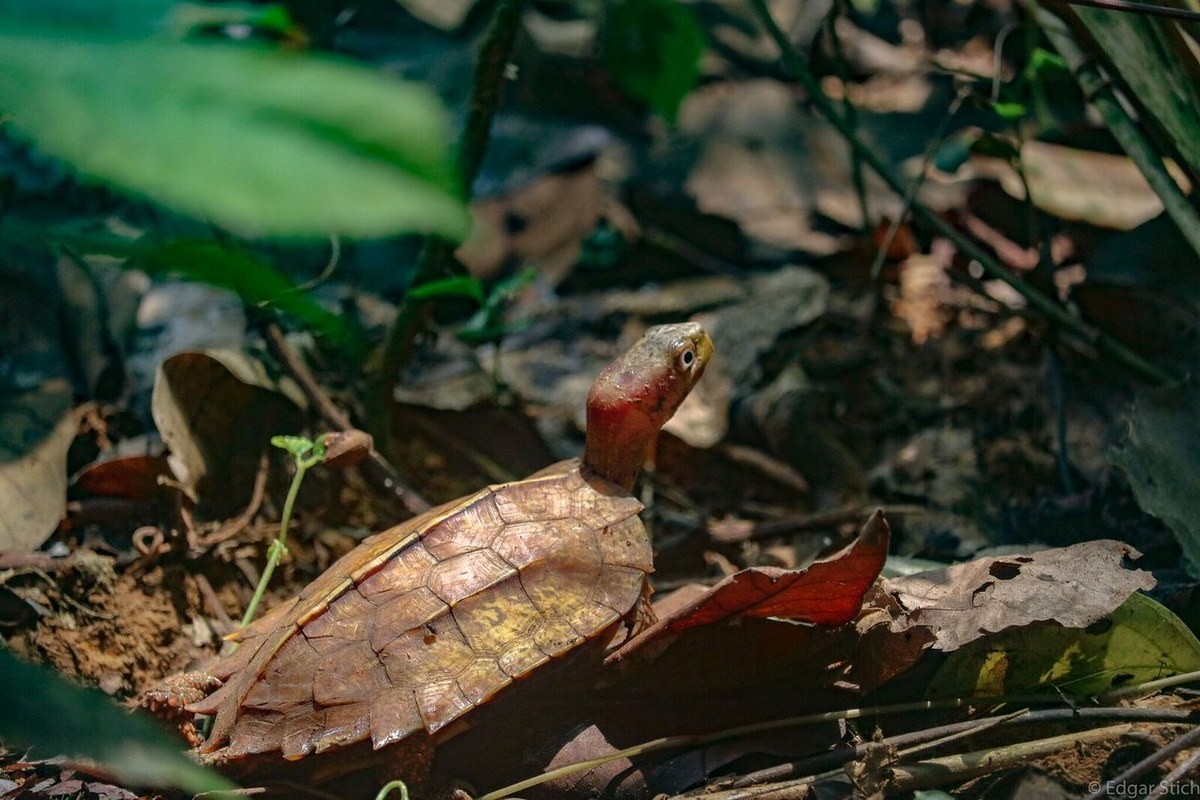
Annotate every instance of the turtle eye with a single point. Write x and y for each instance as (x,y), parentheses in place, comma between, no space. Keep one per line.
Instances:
(685,357)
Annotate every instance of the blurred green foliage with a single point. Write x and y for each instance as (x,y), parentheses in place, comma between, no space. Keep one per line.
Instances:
(653,48)
(45,713)
(258,140)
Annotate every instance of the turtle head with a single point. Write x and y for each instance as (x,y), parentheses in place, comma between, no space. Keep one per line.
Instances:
(636,394)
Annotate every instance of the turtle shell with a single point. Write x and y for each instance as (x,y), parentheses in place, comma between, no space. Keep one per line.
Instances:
(425,621)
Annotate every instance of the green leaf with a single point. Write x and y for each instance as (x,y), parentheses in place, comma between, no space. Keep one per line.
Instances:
(297,446)
(255,281)
(487,324)
(1010,111)
(603,248)
(1046,65)
(187,17)
(1140,641)
(261,141)
(1153,59)
(129,16)
(653,49)
(46,713)
(144,16)
(459,286)
(1160,454)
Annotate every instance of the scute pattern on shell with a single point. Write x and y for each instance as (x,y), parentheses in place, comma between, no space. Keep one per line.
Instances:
(425,621)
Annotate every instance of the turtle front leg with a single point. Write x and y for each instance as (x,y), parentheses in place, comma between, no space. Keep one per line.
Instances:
(169,700)
(642,616)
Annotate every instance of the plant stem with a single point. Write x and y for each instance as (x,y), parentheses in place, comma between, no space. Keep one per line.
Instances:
(1104,344)
(1100,92)
(376,470)
(1149,687)
(389,787)
(953,769)
(279,545)
(1150,9)
(926,774)
(857,178)
(700,740)
(913,741)
(435,261)
(490,71)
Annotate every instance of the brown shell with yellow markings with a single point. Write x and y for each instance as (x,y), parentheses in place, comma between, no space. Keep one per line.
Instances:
(425,621)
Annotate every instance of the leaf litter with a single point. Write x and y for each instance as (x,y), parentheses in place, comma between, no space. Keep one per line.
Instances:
(934,397)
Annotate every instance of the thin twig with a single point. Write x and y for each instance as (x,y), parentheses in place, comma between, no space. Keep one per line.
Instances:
(918,182)
(688,740)
(37,560)
(435,261)
(1166,785)
(376,470)
(1104,344)
(1149,687)
(976,727)
(739,530)
(1149,9)
(955,769)
(1129,134)
(1048,716)
(934,772)
(1178,745)
(694,254)
(236,525)
(214,604)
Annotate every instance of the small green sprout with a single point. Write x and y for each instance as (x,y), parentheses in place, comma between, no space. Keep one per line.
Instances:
(388,787)
(340,449)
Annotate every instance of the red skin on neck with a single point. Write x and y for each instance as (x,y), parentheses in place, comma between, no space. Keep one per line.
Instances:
(618,436)
(628,404)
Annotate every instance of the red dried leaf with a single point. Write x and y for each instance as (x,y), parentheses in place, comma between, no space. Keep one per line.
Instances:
(131,477)
(733,671)
(828,592)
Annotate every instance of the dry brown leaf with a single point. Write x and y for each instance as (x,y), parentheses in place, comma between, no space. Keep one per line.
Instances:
(544,222)
(39,427)
(1105,190)
(1073,586)
(217,411)
(130,477)
(445,14)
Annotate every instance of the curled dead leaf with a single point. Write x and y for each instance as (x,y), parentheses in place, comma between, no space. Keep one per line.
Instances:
(216,411)
(829,592)
(347,448)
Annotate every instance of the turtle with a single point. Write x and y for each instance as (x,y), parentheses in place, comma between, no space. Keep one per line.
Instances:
(427,620)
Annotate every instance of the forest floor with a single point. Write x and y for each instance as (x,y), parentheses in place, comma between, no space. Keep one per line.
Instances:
(842,384)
